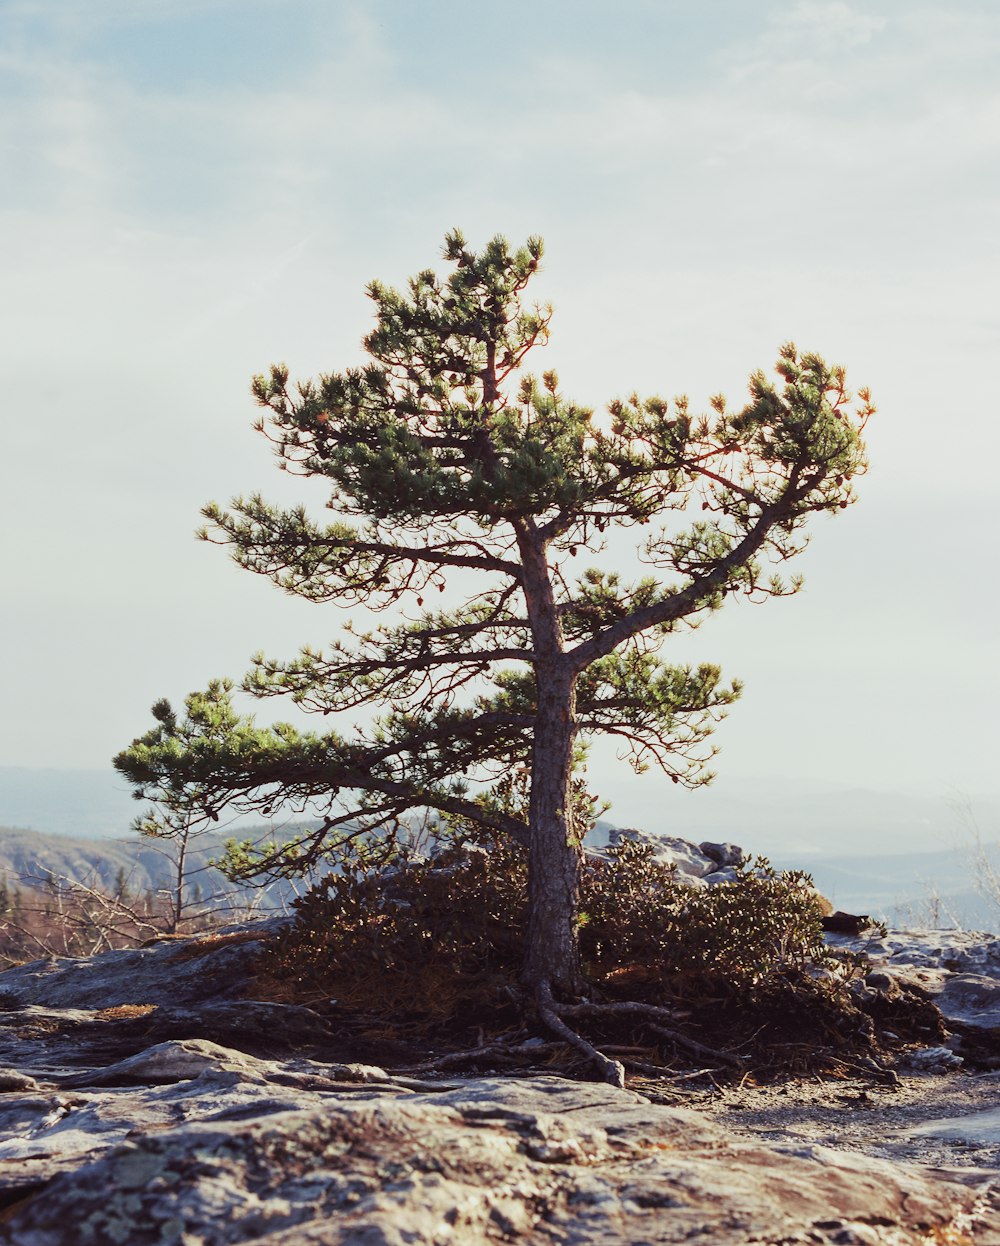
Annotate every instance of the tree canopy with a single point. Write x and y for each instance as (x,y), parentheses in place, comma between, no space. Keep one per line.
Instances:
(472,502)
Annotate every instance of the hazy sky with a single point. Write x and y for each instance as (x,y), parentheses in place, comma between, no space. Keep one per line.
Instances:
(192,190)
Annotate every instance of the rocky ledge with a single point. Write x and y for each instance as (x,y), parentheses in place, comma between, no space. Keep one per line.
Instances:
(147,1100)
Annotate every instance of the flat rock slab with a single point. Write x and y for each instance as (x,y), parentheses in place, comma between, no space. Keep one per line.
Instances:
(83,1115)
(169,972)
(978,1128)
(487,1161)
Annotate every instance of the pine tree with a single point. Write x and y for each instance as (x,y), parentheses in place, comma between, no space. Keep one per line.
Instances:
(453,470)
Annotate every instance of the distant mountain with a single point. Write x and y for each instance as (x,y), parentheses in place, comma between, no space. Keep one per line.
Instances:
(90,803)
(916,890)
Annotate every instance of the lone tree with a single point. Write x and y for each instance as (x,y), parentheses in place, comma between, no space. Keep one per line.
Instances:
(450,467)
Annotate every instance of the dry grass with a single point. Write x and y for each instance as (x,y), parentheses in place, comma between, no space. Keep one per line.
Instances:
(124,1012)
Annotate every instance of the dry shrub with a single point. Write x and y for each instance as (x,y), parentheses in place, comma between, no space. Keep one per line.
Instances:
(416,939)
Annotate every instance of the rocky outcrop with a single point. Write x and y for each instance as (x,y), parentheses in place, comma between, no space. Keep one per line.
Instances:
(695,865)
(146,1101)
(956,970)
(62,1014)
(487,1160)
(168,971)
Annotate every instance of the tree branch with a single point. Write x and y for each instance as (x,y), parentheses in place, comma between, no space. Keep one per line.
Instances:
(681,603)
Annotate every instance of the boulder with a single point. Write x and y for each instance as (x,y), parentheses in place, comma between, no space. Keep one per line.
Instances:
(723,854)
(694,865)
(687,859)
(840,922)
(728,874)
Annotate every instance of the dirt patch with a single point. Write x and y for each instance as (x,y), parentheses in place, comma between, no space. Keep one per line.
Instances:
(855,1114)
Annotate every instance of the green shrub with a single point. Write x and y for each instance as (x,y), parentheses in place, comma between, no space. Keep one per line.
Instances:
(763,926)
(437,939)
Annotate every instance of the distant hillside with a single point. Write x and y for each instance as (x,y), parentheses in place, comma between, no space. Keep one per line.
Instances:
(28,857)
(917,890)
(31,856)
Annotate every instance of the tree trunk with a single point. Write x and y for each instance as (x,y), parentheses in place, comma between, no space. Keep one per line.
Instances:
(552,962)
(554,852)
(178,896)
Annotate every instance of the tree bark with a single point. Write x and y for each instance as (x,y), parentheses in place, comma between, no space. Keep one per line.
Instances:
(553,956)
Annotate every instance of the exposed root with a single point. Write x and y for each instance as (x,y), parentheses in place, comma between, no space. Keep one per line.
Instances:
(651,1013)
(612,1071)
(645,1069)
(533,1048)
(699,1049)
(618,1008)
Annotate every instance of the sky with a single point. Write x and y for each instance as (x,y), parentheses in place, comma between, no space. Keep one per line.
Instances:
(191,190)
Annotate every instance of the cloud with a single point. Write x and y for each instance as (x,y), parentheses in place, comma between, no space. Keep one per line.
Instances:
(831,23)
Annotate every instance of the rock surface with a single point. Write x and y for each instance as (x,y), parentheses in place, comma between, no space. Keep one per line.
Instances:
(958,969)
(695,865)
(145,1101)
(489,1160)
